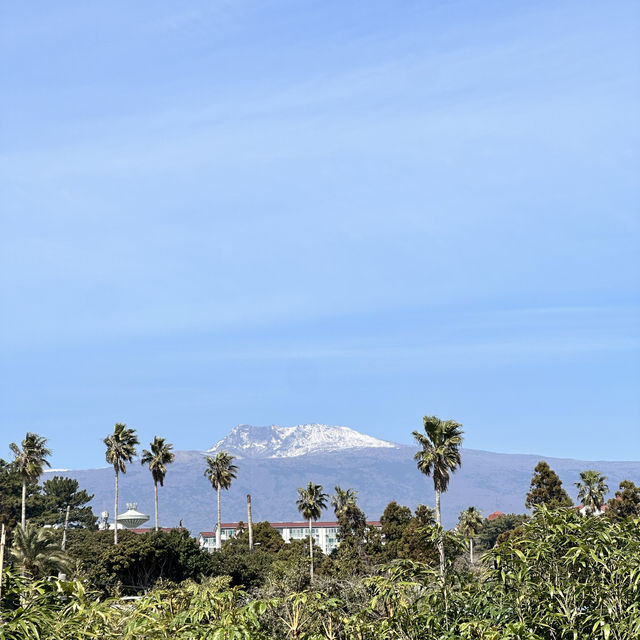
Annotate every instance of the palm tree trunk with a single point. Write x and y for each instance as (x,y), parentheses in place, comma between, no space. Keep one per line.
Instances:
(24,504)
(250,523)
(2,543)
(115,514)
(471,550)
(155,489)
(311,549)
(63,546)
(440,540)
(219,529)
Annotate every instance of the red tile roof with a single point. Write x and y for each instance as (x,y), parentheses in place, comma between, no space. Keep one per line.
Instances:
(151,529)
(581,506)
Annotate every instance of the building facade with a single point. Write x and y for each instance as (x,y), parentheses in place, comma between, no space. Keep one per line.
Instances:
(325,534)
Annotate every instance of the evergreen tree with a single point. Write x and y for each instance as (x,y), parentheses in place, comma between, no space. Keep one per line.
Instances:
(492,529)
(60,493)
(419,537)
(393,521)
(425,516)
(140,560)
(626,503)
(546,488)
(351,519)
(351,555)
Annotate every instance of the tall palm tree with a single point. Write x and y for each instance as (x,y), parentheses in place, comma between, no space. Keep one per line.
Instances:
(158,459)
(30,459)
(36,551)
(592,490)
(342,498)
(221,472)
(470,525)
(439,455)
(121,447)
(311,502)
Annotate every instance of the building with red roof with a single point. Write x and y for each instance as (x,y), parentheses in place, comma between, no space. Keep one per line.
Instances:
(325,534)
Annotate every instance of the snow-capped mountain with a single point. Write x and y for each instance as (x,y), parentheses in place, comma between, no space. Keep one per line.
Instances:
(274,461)
(246,441)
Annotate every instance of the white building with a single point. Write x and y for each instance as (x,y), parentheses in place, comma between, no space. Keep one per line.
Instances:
(325,534)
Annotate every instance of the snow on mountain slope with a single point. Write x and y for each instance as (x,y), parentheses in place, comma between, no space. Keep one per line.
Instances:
(246,441)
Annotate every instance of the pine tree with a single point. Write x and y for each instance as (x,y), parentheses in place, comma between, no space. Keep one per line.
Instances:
(546,488)
(60,493)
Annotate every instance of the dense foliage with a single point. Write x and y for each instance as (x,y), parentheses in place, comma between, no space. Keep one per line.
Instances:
(10,496)
(557,574)
(45,504)
(564,576)
(546,488)
(137,562)
(626,503)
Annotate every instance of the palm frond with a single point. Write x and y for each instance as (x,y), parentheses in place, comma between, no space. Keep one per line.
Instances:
(158,458)
(439,453)
(121,447)
(311,501)
(220,470)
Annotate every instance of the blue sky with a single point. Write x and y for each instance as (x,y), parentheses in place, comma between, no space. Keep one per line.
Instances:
(354,213)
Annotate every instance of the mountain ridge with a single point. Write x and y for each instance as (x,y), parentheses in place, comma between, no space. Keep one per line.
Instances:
(488,480)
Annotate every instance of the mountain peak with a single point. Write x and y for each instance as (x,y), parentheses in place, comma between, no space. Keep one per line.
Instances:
(247,441)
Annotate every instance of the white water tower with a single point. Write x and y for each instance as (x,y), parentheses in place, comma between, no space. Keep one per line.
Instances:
(132,518)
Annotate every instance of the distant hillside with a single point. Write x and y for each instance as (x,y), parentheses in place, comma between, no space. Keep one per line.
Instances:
(274,464)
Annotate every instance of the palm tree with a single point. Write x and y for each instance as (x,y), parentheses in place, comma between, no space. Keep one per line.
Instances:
(35,550)
(29,462)
(158,459)
(440,454)
(311,501)
(470,525)
(121,447)
(220,472)
(592,490)
(342,498)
